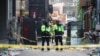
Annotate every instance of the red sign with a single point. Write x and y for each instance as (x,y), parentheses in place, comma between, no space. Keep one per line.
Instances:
(25,30)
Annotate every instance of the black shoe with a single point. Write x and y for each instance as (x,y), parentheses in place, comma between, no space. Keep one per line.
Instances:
(48,49)
(61,49)
(56,49)
(42,49)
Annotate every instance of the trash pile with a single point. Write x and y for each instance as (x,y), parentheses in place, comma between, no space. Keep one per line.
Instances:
(11,51)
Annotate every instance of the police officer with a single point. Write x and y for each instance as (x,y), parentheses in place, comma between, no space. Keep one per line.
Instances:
(59,31)
(45,29)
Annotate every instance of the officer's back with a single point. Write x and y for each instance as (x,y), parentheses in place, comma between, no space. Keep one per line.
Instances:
(45,28)
(45,24)
(58,25)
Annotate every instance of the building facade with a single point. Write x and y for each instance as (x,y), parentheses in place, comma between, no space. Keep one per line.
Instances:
(65,7)
(90,14)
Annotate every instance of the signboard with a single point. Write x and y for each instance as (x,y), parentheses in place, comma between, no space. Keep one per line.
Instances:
(37,6)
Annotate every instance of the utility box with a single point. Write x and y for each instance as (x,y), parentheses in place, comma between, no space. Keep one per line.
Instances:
(28,31)
(98,27)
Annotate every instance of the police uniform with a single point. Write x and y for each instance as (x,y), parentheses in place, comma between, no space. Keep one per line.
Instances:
(45,35)
(59,30)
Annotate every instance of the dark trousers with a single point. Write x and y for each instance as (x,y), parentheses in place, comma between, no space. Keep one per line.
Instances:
(95,39)
(45,39)
(58,39)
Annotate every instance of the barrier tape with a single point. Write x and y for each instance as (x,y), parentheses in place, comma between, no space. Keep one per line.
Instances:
(37,46)
(23,37)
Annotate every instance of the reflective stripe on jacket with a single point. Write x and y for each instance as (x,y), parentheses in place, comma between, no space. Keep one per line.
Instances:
(58,28)
(44,28)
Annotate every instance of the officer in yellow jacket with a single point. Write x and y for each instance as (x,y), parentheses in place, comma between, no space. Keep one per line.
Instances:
(59,31)
(45,29)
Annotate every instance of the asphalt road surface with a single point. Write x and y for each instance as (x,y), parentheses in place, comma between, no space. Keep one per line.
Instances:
(53,52)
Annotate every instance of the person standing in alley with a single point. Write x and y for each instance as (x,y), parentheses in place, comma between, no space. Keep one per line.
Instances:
(52,33)
(95,36)
(45,29)
(59,31)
